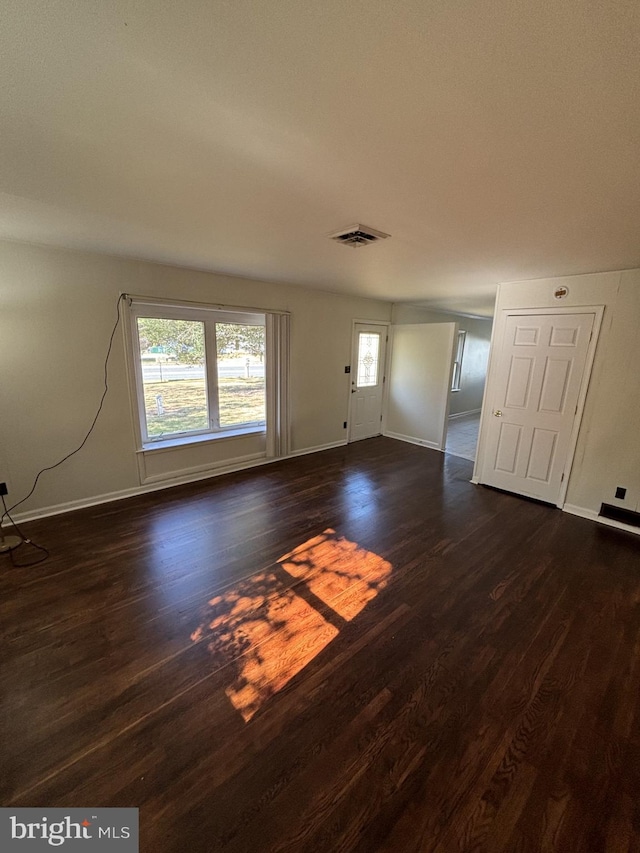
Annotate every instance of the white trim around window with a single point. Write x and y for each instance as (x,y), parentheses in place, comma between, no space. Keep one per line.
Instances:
(456,379)
(209,425)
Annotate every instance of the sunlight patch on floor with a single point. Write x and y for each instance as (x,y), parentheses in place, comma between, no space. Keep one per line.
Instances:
(263,631)
(339,572)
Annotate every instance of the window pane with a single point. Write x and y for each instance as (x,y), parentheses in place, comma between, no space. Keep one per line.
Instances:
(457,365)
(172,356)
(455,383)
(241,374)
(368,349)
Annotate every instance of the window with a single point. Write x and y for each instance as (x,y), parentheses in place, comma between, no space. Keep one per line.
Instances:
(457,364)
(198,371)
(368,356)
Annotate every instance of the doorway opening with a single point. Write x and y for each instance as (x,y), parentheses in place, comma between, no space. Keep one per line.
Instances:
(462,435)
(467,386)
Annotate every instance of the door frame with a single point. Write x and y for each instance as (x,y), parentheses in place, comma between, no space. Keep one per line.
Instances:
(385,369)
(497,343)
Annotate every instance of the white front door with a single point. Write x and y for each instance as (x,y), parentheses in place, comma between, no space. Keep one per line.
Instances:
(533,396)
(367,377)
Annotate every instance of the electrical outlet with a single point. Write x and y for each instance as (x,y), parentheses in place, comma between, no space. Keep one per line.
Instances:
(621,493)
(3,489)
(344,425)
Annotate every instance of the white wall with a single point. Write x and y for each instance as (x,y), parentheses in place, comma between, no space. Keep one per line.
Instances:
(476,351)
(57,308)
(419,382)
(608,448)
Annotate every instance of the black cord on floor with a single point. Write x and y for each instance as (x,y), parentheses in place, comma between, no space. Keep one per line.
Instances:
(23,541)
(91,428)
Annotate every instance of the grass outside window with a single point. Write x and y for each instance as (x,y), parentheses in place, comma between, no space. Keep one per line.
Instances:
(181,406)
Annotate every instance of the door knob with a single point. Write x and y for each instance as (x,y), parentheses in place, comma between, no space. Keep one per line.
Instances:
(497,413)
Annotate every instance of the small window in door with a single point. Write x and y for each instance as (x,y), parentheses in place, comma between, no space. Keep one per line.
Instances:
(457,364)
(368,357)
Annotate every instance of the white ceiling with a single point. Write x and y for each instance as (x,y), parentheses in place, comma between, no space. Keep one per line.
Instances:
(494,140)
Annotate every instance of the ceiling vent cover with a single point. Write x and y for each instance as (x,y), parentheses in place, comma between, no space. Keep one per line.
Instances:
(358,235)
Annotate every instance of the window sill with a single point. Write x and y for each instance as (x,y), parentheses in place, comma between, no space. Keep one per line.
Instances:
(190,440)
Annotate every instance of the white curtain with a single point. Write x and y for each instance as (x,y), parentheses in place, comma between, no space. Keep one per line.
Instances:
(277,358)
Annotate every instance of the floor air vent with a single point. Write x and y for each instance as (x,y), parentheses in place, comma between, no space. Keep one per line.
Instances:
(358,235)
(618,513)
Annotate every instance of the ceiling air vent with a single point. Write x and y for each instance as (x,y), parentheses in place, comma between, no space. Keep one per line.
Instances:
(358,235)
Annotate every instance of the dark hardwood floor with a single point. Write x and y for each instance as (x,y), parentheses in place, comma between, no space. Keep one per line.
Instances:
(356,650)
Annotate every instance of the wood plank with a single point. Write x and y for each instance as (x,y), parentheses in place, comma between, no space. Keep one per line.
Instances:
(355,650)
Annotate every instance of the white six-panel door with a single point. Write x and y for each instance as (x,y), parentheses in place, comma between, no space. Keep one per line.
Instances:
(533,399)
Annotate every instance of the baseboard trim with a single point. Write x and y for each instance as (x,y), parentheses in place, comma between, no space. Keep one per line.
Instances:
(318,448)
(135,491)
(464,414)
(410,439)
(592,515)
(158,484)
